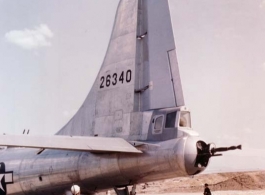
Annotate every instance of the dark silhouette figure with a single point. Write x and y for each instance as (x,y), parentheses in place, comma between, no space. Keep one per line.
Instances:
(207,190)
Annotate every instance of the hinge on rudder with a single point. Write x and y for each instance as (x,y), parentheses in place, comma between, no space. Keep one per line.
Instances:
(139,37)
(141,90)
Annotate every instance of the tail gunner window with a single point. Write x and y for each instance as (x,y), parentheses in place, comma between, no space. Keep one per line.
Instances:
(158,123)
(171,120)
(184,120)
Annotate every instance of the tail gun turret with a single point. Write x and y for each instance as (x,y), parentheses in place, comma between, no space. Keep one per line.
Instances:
(206,151)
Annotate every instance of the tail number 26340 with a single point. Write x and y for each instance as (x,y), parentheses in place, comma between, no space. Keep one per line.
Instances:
(114,79)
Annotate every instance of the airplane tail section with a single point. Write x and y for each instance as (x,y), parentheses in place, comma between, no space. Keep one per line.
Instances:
(139,73)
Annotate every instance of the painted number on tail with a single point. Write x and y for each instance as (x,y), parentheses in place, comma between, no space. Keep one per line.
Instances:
(114,79)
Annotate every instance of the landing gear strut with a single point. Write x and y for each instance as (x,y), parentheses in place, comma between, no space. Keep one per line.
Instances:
(125,191)
(122,191)
(133,191)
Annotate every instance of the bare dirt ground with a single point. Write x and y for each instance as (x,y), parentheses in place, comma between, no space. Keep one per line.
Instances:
(217,182)
(248,183)
(232,192)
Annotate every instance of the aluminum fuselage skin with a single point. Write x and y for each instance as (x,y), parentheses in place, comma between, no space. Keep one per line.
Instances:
(54,171)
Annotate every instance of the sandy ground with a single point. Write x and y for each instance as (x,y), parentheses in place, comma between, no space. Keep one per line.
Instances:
(235,192)
(248,183)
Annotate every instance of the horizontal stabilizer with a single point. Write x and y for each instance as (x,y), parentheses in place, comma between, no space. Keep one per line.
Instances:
(76,143)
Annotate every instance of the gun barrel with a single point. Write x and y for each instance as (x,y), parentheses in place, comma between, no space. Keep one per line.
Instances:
(224,149)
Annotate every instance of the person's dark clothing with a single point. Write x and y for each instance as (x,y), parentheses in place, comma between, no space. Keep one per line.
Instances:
(207,191)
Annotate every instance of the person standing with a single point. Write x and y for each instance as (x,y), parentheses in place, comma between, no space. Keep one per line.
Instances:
(207,190)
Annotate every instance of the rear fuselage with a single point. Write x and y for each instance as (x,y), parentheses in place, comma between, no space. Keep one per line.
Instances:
(54,171)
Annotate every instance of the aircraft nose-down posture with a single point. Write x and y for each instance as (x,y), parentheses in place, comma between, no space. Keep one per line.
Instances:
(133,126)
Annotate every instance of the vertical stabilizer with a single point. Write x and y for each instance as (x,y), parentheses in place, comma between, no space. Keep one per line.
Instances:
(139,73)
